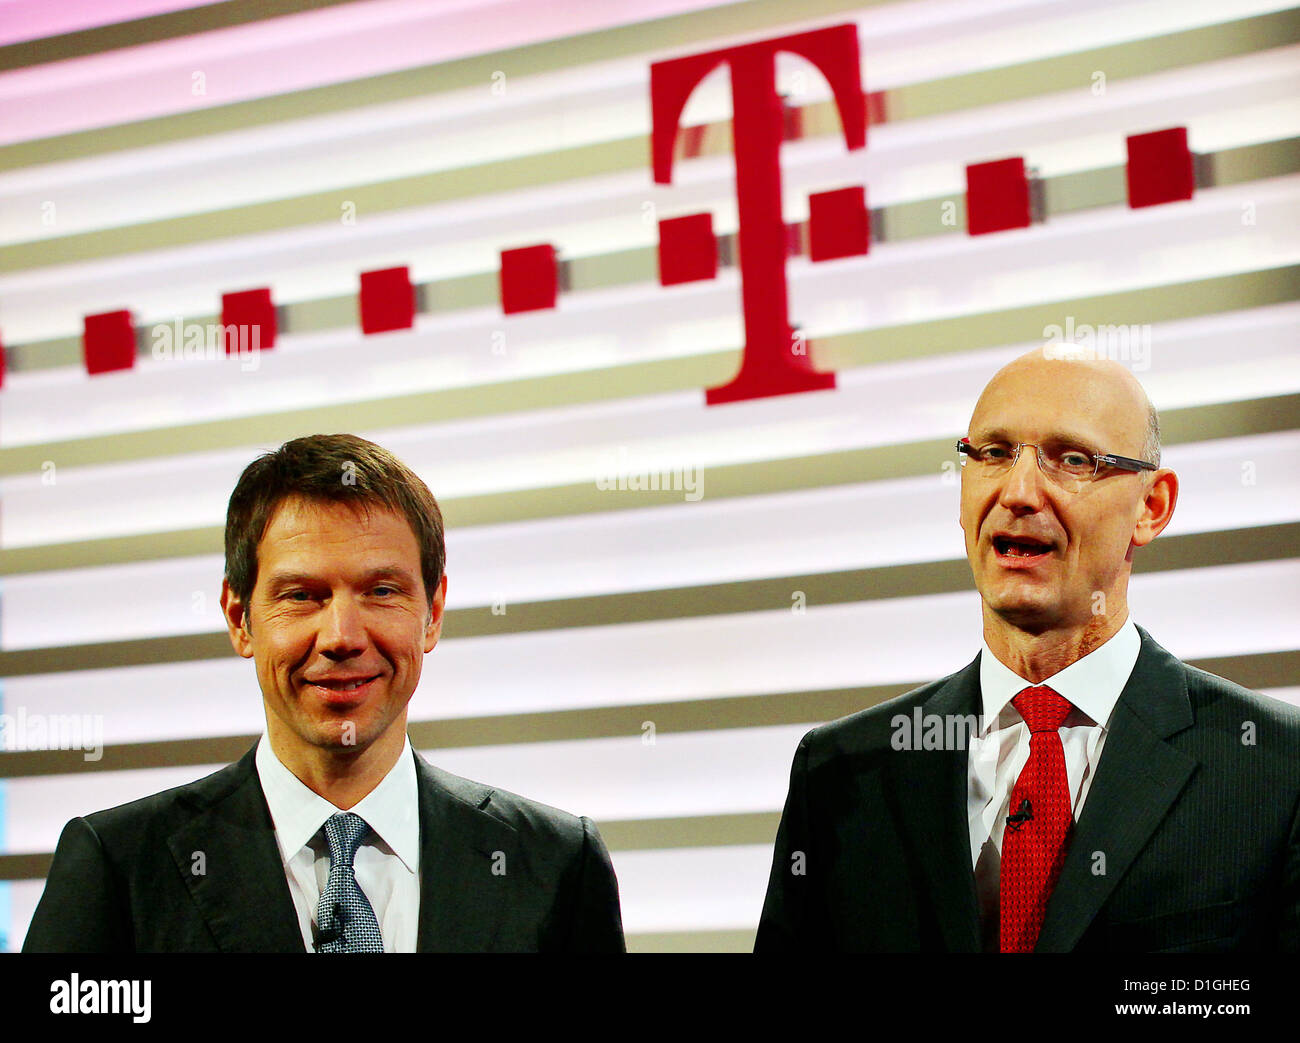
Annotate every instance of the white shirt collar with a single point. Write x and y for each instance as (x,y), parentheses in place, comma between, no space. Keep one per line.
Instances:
(1093,684)
(391,809)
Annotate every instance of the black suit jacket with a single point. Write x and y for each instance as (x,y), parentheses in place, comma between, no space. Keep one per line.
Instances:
(1189,839)
(128,879)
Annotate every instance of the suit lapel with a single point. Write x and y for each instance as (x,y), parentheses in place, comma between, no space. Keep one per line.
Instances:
(464,853)
(229,859)
(932,798)
(1138,779)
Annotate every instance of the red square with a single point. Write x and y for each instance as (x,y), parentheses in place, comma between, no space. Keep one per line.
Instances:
(252,312)
(997,196)
(1159,168)
(838,223)
(688,249)
(529,278)
(109,342)
(387,300)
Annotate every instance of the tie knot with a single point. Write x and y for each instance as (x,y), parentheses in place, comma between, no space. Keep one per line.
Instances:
(1043,709)
(344,831)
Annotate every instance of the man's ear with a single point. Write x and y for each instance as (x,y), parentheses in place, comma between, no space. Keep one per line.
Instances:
(433,628)
(1157,507)
(236,615)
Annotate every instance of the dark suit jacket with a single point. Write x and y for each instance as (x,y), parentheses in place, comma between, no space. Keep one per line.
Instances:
(125,879)
(1189,839)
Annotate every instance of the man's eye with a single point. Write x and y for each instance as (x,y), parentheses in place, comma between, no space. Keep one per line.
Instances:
(384,590)
(995,452)
(1074,459)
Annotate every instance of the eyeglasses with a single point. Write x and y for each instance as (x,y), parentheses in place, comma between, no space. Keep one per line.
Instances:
(1067,465)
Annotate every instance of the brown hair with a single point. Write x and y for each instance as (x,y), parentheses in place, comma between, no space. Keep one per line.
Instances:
(337,469)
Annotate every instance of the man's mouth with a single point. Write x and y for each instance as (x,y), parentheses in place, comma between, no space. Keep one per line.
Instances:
(341,688)
(1021,550)
(343,685)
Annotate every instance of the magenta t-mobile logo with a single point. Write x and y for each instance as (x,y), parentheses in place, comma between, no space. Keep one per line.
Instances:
(775,361)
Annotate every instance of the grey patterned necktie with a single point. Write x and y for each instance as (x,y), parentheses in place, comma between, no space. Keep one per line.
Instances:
(344,919)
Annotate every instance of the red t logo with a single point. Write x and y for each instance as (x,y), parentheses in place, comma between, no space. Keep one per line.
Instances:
(771,365)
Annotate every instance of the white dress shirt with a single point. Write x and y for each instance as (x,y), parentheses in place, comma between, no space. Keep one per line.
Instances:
(387,863)
(1001,748)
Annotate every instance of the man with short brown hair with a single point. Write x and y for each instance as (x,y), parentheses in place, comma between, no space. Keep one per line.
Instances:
(1098,794)
(331,834)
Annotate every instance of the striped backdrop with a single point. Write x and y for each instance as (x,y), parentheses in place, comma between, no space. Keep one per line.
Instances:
(646,656)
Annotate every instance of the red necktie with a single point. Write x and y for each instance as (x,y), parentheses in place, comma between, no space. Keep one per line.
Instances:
(1038,827)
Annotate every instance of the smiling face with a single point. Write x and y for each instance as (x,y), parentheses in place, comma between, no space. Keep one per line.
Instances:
(1045,558)
(337,624)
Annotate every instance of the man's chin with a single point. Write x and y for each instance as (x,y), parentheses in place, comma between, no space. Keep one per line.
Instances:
(341,735)
(341,742)
(1034,615)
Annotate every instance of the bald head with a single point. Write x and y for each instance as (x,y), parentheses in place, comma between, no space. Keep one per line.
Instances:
(1100,389)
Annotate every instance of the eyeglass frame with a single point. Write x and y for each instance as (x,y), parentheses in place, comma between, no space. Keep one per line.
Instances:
(1124,463)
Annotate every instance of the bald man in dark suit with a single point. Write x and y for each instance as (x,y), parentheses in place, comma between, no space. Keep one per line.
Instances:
(1075,787)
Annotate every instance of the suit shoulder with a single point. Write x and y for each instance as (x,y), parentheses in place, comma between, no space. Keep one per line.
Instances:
(1205,689)
(872,728)
(166,807)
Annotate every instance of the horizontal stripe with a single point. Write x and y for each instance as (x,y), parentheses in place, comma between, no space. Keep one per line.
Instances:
(26,867)
(915,219)
(1193,424)
(151,29)
(658,834)
(692,941)
(686,890)
(667,34)
(927,338)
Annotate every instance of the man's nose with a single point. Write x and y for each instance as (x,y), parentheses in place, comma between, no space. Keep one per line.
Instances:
(1023,484)
(342,630)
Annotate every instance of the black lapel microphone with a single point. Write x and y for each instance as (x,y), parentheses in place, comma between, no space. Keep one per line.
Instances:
(1025,813)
